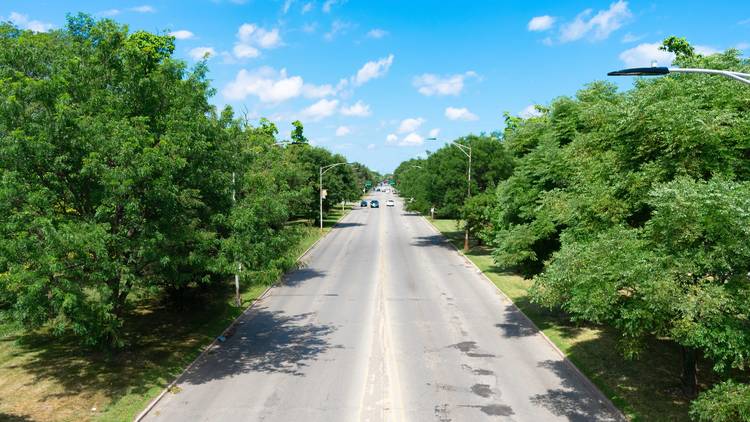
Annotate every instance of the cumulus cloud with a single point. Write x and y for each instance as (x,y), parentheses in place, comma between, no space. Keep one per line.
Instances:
(358,109)
(645,54)
(343,131)
(250,39)
(182,34)
(410,125)
(110,12)
(434,133)
(412,139)
(22,21)
(430,84)
(454,113)
(320,110)
(529,111)
(271,86)
(598,26)
(629,37)
(541,23)
(377,33)
(373,70)
(198,53)
(391,138)
(286,6)
(371,146)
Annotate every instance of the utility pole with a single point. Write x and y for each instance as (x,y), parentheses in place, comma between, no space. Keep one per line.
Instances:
(467,152)
(321,172)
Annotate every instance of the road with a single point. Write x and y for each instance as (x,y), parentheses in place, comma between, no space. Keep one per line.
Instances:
(385,321)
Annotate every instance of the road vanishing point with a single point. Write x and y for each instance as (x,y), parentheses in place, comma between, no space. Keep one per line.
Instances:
(384,321)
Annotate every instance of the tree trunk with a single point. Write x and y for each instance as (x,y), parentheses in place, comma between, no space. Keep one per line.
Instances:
(689,372)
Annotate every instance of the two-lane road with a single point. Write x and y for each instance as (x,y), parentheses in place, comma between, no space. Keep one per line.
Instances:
(384,322)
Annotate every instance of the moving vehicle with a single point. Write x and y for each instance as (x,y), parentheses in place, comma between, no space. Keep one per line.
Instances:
(390,203)
(374,204)
(363,204)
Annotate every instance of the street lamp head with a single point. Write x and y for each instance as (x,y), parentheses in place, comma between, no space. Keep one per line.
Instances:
(640,71)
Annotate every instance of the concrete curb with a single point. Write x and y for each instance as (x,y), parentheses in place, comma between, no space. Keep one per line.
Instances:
(262,296)
(590,384)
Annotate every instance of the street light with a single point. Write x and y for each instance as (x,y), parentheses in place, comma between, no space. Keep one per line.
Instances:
(237,298)
(467,152)
(656,71)
(323,170)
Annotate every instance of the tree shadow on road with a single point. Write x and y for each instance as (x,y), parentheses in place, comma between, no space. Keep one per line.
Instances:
(267,342)
(347,225)
(516,325)
(435,240)
(301,275)
(575,400)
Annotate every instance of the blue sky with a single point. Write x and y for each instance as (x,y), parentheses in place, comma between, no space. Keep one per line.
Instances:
(373,79)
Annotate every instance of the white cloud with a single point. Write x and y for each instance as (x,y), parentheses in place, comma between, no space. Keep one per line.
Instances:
(182,34)
(244,51)
(373,69)
(343,131)
(454,113)
(412,139)
(337,27)
(22,21)
(320,110)
(431,84)
(410,125)
(742,46)
(434,133)
(599,26)
(143,9)
(629,37)
(307,7)
(529,111)
(286,6)
(271,86)
(705,50)
(358,109)
(198,53)
(251,39)
(644,54)
(541,23)
(391,138)
(317,91)
(309,28)
(110,12)
(371,146)
(377,33)
(330,3)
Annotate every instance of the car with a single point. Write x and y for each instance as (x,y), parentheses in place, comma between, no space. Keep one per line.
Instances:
(363,204)
(390,203)
(374,204)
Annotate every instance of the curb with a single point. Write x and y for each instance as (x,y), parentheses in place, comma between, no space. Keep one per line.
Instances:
(590,384)
(262,296)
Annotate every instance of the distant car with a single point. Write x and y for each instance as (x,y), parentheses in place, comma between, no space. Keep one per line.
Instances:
(363,203)
(374,204)
(390,203)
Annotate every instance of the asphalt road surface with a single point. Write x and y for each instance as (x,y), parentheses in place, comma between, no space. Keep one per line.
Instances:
(384,322)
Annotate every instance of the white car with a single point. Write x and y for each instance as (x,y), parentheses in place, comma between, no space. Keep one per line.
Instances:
(390,203)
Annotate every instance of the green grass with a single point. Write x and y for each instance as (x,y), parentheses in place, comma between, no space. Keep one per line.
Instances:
(48,378)
(645,389)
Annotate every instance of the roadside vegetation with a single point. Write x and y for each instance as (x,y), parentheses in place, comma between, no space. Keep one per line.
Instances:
(626,212)
(127,204)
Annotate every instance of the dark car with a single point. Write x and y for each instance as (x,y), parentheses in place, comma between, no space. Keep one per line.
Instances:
(374,204)
(363,203)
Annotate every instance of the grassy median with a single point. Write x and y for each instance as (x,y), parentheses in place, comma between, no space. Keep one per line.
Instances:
(47,378)
(645,389)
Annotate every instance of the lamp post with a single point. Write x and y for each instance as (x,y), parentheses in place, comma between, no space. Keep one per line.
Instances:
(467,152)
(656,71)
(323,170)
